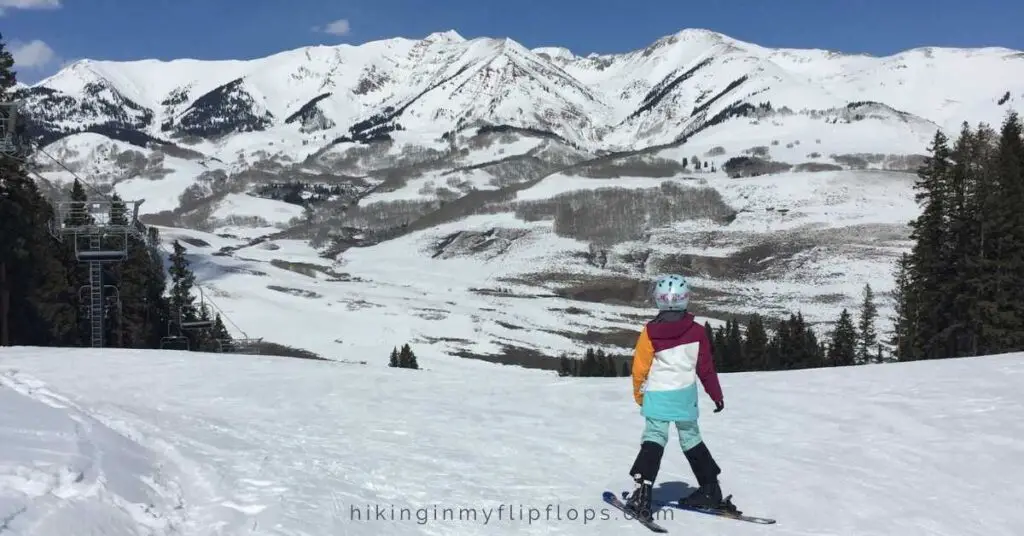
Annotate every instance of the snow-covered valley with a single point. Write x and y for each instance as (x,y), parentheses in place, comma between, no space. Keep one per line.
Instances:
(530,195)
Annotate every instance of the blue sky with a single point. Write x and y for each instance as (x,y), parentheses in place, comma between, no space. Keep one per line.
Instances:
(45,34)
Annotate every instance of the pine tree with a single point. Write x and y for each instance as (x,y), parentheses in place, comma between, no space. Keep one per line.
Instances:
(961,290)
(599,363)
(183,281)
(1005,321)
(720,346)
(564,366)
(610,370)
(394,359)
(755,345)
(156,306)
(776,343)
(589,365)
(36,305)
(929,256)
(974,258)
(867,336)
(733,347)
(410,357)
(181,302)
(843,347)
(814,356)
(627,369)
(905,318)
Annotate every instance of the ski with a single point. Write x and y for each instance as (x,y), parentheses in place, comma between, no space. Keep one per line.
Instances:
(718,512)
(611,499)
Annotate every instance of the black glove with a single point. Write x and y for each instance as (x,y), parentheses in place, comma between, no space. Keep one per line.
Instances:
(719,405)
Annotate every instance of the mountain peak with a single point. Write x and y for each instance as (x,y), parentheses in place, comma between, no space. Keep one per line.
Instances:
(555,53)
(447,36)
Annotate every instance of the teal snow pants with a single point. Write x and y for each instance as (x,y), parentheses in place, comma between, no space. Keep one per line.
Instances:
(657,431)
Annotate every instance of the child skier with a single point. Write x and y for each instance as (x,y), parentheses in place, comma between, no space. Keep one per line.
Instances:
(671,353)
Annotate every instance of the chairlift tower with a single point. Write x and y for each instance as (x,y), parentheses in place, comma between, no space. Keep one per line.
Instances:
(100,232)
(12,131)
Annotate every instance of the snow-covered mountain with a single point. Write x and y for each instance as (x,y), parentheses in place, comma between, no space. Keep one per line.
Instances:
(765,173)
(446,84)
(181,443)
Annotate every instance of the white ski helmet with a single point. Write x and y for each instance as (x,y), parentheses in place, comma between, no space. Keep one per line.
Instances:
(672,293)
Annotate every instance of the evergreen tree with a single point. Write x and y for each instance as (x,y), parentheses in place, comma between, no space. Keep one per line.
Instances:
(929,256)
(755,344)
(905,309)
(813,354)
(627,369)
(394,359)
(961,290)
(733,359)
(958,292)
(589,366)
(720,346)
(564,365)
(156,306)
(36,305)
(867,337)
(843,347)
(599,363)
(182,302)
(773,355)
(403,356)
(1005,317)
(408,358)
(798,356)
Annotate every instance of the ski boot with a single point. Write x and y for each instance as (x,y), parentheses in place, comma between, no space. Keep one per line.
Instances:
(639,502)
(644,472)
(709,495)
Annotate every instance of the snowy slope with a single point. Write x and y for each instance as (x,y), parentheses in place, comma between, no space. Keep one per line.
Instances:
(180,443)
(804,242)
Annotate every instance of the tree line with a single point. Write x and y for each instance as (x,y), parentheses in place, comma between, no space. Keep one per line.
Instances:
(42,302)
(791,344)
(794,344)
(960,290)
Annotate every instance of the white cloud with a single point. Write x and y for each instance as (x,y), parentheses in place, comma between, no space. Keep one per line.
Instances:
(28,4)
(338,27)
(34,54)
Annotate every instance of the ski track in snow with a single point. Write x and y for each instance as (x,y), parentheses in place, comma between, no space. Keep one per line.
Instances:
(224,444)
(64,472)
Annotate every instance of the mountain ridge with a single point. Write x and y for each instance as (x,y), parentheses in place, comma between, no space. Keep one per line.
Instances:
(446,83)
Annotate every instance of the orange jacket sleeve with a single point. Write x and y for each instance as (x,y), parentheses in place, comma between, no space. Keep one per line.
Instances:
(643,355)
